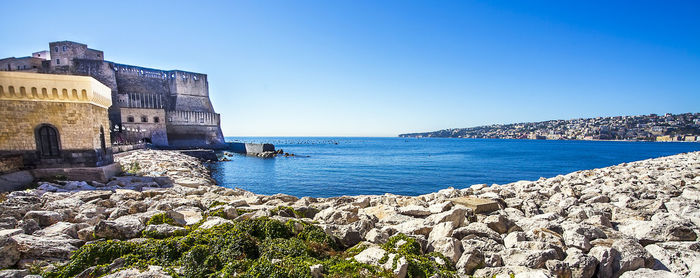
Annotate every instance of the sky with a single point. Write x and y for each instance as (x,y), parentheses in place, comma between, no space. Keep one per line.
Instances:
(381,68)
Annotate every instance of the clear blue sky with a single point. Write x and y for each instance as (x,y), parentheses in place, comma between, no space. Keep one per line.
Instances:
(380,68)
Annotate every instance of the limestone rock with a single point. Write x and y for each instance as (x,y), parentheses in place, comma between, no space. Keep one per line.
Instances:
(371,255)
(213,222)
(414,211)
(478,205)
(165,230)
(676,257)
(9,247)
(649,273)
(501,224)
(469,261)
(448,246)
(46,248)
(152,272)
(581,265)
(44,218)
(125,227)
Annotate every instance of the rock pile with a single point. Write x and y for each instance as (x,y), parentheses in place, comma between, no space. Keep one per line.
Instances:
(637,219)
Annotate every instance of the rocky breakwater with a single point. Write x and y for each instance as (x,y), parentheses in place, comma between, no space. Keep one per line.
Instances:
(636,219)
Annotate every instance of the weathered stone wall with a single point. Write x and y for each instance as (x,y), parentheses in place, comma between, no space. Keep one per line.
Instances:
(191,91)
(77,123)
(78,126)
(194,136)
(154,131)
(20,64)
(10,163)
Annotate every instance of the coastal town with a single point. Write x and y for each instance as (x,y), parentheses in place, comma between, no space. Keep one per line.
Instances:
(652,127)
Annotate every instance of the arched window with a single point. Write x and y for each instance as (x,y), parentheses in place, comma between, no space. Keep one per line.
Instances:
(47,141)
(102,140)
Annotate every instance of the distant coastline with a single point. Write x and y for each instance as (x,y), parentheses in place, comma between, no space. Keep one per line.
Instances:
(667,128)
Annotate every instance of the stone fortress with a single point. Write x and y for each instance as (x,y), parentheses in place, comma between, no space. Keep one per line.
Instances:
(168,108)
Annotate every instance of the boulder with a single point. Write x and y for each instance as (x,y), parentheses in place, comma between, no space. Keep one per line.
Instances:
(125,227)
(477,229)
(676,257)
(46,248)
(371,255)
(14,273)
(456,215)
(345,234)
(9,248)
(151,272)
(528,258)
(632,256)
(60,229)
(501,224)
(470,261)
(164,230)
(649,273)
(214,221)
(441,230)
(478,205)
(581,265)
(414,211)
(448,246)
(44,218)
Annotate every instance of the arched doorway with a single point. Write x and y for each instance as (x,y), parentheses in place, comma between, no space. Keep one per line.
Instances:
(47,141)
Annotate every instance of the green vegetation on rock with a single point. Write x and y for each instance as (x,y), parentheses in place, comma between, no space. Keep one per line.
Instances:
(261,247)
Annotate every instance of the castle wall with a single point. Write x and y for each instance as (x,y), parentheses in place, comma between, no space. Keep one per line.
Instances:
(30,64)
(194,129)
(191,91)
(148,123)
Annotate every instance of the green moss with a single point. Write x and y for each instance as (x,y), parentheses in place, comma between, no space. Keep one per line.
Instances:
(217,212)
(217,203)
(133,168)
(161,218)
(287,210)
(260,247)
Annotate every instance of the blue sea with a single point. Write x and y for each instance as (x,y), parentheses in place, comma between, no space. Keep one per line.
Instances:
(324,167)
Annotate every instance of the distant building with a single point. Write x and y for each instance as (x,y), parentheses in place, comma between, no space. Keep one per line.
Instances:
(53,121)
(165,107)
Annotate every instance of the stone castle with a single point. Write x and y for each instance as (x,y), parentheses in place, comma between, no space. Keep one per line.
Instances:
(168,108)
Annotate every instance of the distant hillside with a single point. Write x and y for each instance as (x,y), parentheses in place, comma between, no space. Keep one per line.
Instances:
(668,127)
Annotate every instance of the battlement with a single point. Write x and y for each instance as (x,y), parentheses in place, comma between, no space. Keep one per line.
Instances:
(192,118)
(53,87)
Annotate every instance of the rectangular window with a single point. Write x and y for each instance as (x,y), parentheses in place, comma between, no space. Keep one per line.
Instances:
(58,61)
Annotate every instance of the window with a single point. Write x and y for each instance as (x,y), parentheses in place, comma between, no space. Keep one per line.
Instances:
(47,141)
(156,119)
(144,119)
(58,61)
(55,48)
(130,119)
(64,48)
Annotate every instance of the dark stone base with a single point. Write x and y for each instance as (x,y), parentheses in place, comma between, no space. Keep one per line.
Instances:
(66,159)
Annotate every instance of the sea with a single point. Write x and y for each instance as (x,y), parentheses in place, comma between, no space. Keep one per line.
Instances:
(326,167)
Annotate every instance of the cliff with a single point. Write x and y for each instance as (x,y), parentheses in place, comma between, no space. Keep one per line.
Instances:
(638,219)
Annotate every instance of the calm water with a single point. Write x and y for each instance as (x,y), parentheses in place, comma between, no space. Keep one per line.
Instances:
(411,166)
